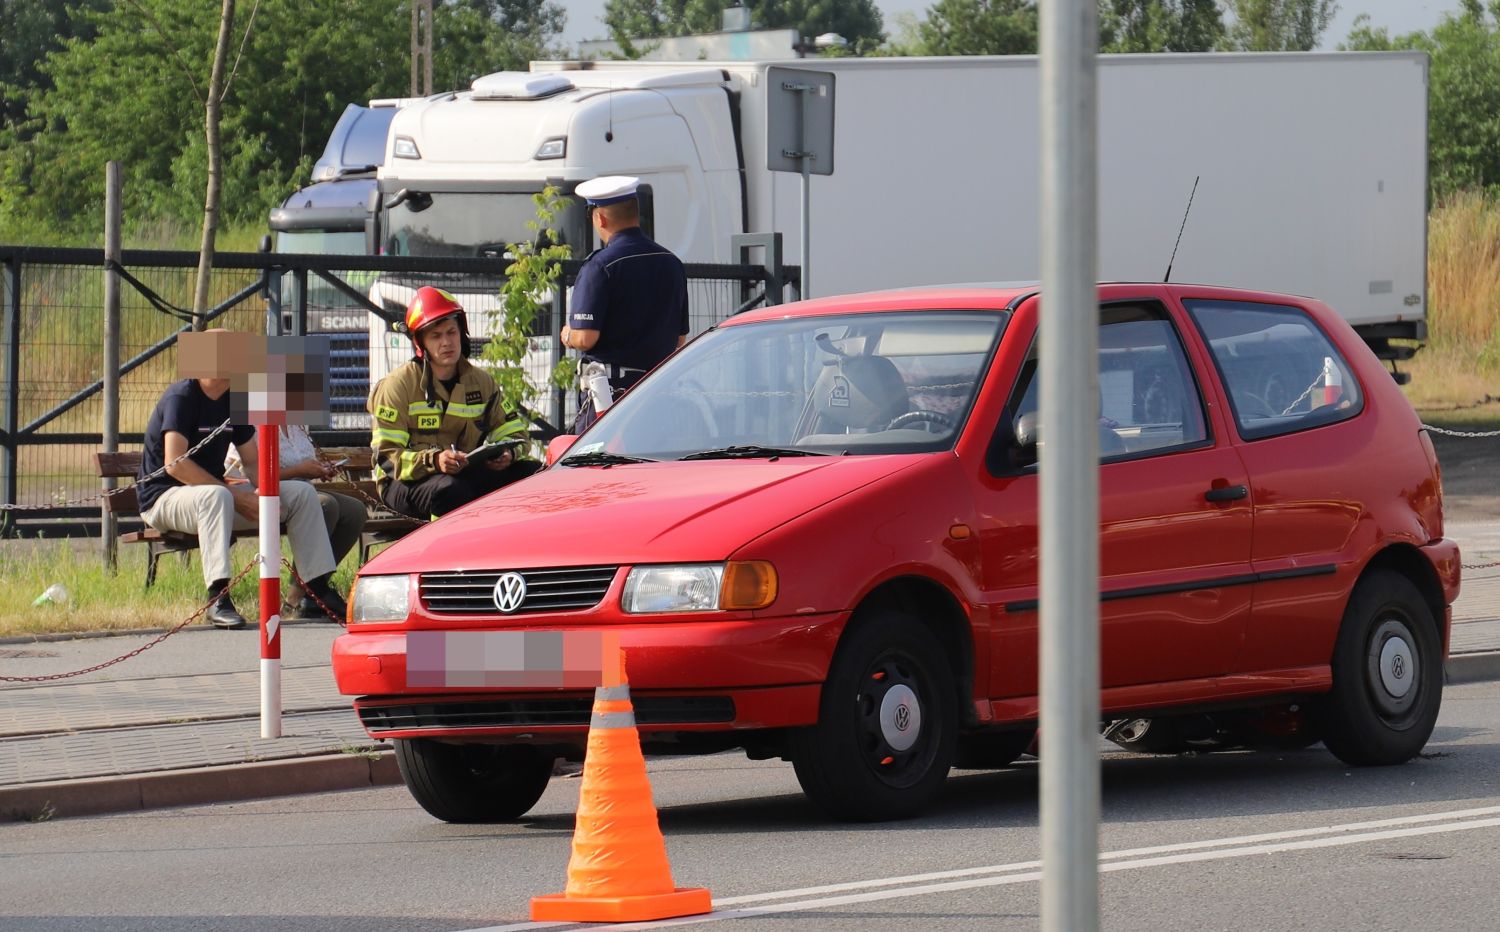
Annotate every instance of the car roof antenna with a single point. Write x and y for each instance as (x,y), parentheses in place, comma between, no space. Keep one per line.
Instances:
(1168,277)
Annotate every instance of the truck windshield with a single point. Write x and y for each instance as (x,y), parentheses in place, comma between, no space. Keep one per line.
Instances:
(895,382)
(474,224)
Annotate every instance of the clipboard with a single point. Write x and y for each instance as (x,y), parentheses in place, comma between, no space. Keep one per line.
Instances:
(488,451)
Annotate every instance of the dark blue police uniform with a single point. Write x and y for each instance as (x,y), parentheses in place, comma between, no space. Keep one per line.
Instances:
(634,292)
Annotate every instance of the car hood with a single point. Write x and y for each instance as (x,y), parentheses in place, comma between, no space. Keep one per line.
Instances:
(643,513)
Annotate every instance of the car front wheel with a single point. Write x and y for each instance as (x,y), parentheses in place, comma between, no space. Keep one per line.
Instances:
(887,723)
(473,782)
(1387,675)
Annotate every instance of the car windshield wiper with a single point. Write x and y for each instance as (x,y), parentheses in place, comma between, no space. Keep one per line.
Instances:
(601,458)
(748,452)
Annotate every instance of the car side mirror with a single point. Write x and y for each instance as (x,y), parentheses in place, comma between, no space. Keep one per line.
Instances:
(1028,429)
(1027,436)
(558,446)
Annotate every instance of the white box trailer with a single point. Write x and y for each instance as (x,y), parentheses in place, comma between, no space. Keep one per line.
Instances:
(1311,169)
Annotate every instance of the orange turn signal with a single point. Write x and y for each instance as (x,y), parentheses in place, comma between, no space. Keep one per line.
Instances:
(747,584)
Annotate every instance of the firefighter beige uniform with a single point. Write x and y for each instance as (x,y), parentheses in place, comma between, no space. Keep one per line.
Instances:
(415,417)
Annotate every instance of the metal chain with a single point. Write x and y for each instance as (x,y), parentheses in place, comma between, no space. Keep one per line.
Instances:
(105,493)
(1461,433)
(143,648)
(1316,382)
(1481,566)
(307,591)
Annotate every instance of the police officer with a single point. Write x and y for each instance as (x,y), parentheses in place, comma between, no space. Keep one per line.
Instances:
(433,410)
(629,308)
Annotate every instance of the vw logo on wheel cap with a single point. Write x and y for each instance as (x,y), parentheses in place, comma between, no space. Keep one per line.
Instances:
(510,592)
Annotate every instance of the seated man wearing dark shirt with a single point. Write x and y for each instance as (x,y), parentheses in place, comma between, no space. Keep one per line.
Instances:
(191,496)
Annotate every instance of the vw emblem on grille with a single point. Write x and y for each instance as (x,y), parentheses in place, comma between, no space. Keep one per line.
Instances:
(903,718)
(510,592)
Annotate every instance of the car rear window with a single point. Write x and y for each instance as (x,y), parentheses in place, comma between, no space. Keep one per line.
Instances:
(1282,372)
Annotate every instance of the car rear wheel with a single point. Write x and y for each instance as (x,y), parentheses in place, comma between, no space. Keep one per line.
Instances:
(887,723)
(473,782)
(1387,675)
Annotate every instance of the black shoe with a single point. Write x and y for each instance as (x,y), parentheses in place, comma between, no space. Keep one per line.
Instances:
(222,613)
(332,607)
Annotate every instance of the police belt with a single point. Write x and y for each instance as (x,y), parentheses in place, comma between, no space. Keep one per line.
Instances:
(618,373)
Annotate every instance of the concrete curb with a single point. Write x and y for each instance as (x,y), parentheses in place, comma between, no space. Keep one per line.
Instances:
(1478,667)
(39,802)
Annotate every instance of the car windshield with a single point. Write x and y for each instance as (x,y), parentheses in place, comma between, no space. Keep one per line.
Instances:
(894,382)
(475,224)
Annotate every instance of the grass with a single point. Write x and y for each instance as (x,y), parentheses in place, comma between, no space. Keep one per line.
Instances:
(101,601)
(1460,365)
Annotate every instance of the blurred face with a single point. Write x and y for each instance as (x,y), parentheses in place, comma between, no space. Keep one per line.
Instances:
(443,343)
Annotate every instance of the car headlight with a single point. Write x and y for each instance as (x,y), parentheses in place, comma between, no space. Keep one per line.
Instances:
(699,587)
(380,598)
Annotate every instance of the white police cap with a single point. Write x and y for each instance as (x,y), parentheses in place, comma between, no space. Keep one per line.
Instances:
(610,189)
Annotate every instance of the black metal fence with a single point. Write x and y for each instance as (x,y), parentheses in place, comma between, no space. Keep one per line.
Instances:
(52,346)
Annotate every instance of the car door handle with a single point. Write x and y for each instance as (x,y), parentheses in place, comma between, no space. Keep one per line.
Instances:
(1229,493)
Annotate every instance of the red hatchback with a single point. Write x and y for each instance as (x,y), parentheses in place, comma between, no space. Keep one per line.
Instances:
(814,530)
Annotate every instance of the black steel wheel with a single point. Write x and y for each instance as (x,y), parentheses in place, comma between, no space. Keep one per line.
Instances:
(1387,675)
(887,723)
(473,782)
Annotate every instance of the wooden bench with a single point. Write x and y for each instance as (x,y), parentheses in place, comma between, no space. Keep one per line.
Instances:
(382,526)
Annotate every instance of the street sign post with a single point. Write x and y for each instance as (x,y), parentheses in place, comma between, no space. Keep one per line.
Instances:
(799,138)
(1069,471)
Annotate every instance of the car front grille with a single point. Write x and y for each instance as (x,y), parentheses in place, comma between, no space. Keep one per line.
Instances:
(513,713)
(547,590)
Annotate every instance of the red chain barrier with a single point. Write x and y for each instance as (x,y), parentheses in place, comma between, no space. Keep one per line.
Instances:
(312,595)
(139,650)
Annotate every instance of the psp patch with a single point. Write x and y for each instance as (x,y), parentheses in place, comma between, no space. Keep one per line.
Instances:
(386,413)
(429,421)
(473,398)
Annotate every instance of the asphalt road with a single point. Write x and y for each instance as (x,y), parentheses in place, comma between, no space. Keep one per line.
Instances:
(1227,841)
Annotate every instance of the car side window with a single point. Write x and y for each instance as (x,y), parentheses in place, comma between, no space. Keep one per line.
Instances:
(1149,401)
(1281,371)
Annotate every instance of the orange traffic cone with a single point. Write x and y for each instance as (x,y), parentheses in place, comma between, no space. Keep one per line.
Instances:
(619,870)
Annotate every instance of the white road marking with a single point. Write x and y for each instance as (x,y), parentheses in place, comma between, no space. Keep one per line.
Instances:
(1216,849)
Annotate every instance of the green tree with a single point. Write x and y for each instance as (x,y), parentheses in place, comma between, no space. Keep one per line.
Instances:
(28,32)
(1160,25)
(979,27)
(1279,25)
(1463,109)
(125,91)
(858,21)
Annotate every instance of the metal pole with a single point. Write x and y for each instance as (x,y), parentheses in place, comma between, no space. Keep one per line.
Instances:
(299,314)
(806,288)
(268,469)
(11,453)
(273,302)
(559,412)
(112,189)
(1069,469)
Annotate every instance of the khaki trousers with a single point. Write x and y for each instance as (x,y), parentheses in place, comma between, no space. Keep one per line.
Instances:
(208,511)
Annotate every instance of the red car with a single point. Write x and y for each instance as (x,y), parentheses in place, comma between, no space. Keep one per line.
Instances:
(814,530)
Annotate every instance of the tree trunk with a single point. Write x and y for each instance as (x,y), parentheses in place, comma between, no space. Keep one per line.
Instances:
(211,196)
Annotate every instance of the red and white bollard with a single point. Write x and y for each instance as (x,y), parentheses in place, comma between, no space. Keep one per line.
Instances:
(269,454)
(1333,381)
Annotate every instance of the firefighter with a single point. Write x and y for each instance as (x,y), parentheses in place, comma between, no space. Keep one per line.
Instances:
(429,414)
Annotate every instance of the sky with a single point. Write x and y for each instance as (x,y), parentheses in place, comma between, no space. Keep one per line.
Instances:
(1399,16)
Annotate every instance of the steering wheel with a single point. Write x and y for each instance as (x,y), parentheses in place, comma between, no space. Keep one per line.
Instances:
(919,416)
